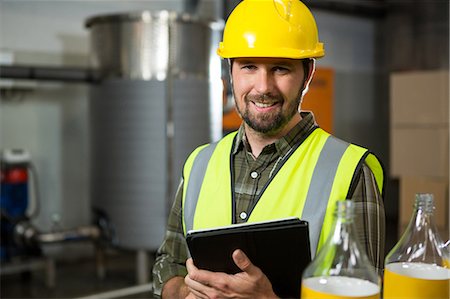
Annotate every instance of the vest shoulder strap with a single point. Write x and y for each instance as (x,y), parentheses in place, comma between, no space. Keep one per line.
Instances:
(194,184)
(321,185)
(194,173)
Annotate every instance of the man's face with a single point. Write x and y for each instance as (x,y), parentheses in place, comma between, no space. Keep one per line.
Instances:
(267,91)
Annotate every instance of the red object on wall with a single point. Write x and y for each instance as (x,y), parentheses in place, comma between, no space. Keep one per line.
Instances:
(14,175)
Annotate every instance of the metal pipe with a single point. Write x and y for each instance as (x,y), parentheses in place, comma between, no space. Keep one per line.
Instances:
(49,73)
(142,267)
(77,234)
(26,234)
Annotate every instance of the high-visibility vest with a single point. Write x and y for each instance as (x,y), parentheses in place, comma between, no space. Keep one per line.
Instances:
(306,184)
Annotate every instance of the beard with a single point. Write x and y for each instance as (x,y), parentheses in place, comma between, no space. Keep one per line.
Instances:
(272,122)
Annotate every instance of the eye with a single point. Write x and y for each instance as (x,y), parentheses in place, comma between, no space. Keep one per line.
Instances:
(248,67)
(280,69)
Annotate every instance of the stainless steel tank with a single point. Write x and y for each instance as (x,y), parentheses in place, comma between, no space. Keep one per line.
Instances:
(160,96)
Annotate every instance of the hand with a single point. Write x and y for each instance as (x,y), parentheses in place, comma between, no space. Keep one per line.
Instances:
(251,283)
(175,288)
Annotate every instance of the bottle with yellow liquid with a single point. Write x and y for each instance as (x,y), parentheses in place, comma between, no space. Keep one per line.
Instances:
(418,265)
(341,268)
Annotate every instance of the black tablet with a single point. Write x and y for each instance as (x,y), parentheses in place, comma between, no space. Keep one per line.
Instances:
(280,248)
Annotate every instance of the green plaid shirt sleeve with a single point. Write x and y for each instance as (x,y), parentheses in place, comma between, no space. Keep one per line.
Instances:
(370,217)
(173,252)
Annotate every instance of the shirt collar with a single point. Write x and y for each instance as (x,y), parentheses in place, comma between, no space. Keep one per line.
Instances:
(284,144)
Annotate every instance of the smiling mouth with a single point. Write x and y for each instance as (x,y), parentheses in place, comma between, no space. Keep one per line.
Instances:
(264,105)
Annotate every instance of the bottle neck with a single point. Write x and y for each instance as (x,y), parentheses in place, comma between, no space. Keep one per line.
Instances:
(345,211)
(424,202)
(423,214)
(344,216)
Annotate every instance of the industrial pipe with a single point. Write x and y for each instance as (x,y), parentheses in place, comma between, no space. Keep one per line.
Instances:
(26,234)
(49,73)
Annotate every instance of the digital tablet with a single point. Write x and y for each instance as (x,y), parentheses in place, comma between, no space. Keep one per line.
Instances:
(280,248)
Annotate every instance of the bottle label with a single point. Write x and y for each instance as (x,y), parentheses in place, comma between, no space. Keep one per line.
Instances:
(338,287)
(416,281)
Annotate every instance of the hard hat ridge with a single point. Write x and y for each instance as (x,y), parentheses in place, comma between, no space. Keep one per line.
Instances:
(271,28)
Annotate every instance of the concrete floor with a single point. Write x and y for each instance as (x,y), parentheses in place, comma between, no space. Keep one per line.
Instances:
(76,279)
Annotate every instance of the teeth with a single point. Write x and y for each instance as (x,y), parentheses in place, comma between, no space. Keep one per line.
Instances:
(264,105)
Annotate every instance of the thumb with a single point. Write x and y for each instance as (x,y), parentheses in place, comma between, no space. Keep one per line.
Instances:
(243,262)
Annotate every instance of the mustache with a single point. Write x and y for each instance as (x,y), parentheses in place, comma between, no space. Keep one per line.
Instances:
(270,98)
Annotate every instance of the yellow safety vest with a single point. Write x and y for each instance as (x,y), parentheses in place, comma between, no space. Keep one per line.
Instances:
(306,184)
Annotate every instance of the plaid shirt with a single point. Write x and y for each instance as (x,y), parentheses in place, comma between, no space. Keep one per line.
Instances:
(370,221)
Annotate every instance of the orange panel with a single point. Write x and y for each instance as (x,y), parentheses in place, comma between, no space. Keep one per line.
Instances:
(319,98)
(231,121)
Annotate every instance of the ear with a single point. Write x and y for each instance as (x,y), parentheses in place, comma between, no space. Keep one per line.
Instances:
(230,71)
(308,79)
(230,65)
(311,69)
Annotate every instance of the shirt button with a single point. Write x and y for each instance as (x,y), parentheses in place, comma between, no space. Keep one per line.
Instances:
(254,174)
(243,215)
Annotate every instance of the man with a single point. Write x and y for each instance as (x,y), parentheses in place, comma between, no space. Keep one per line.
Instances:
(278,164)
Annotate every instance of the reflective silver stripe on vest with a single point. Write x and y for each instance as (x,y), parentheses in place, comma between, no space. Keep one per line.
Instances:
(196,177)
(320,187)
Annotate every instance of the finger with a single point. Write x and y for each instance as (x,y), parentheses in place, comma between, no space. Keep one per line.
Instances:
(190,265)
(194,273)
(197,295)
(196,288)
(243,262)
(202,276)
(204,281)
(190,296)
(197,283)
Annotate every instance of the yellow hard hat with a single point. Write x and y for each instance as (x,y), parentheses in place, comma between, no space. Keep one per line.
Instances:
(271,28)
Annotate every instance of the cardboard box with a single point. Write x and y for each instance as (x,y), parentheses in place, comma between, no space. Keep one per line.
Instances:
(420,97)
(409,186)
(419,151)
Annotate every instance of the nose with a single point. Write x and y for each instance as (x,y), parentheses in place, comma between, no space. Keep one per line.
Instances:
(264,82)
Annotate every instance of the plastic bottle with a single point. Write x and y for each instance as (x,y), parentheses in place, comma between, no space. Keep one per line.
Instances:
(418,265)
(341,268)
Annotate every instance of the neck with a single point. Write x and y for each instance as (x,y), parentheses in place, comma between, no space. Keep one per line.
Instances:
(258,140)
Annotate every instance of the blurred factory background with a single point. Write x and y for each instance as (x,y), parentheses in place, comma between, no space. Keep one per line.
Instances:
(101,101)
